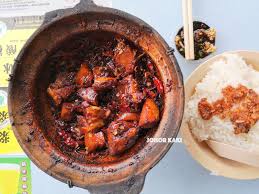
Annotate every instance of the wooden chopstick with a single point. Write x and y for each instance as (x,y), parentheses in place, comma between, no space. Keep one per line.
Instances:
(188,29)
(190,23)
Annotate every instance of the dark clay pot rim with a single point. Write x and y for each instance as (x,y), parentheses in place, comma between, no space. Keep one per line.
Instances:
(138,165)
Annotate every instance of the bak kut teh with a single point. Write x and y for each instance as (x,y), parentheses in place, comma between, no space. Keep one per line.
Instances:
(105,96)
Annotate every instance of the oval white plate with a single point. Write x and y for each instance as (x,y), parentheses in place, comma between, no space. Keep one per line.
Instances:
(200,151)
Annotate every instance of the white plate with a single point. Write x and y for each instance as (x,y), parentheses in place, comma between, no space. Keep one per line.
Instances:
(200,151)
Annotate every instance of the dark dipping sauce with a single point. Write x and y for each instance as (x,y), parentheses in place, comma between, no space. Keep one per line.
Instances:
(105,97)
(204,40)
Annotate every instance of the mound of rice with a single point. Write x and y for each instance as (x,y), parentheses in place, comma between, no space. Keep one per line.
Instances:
(233,71)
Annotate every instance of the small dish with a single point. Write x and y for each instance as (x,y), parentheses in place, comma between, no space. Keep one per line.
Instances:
(201,151)
(209,38)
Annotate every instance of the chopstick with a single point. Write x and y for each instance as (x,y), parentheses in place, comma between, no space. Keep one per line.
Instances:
(188,29)
(190,23)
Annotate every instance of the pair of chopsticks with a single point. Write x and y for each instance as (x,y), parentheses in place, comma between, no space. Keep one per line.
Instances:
(188,29)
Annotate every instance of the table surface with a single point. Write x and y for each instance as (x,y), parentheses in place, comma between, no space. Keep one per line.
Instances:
(237,27)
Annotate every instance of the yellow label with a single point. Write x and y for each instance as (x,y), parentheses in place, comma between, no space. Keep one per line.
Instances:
(10,45)
(15,175)
(9,178)
(8,142)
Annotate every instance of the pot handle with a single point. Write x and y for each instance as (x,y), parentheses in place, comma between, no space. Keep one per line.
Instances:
(134,185)
(86,3)
(83,5)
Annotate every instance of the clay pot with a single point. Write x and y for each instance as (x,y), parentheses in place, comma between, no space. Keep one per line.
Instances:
(30,79)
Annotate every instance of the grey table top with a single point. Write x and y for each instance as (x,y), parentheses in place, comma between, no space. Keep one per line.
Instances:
(237,25)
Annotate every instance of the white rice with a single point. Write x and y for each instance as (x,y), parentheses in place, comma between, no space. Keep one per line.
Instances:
(233,70)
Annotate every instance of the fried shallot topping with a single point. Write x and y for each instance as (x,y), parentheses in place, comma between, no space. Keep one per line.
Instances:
(240,105)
